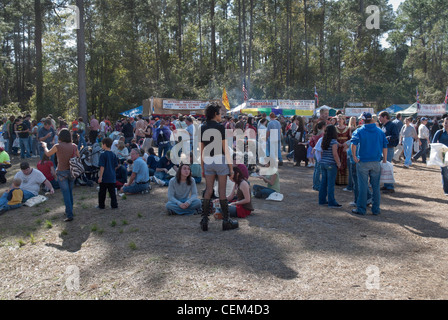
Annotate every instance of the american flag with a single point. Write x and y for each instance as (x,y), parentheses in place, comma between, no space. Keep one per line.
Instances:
(245,91)
(418,99)
(446,96)
(316,97)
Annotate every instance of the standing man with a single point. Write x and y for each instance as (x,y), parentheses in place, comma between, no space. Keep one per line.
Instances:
(441,136)
(140,128)
(399,124)
(369,144)
(393,137)
(94,127)
(423,136)
(274,125)
(24,132)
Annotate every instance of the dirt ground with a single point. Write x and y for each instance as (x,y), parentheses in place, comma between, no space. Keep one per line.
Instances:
(291,250)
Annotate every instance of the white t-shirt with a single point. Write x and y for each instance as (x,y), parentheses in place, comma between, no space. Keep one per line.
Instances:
(32,181)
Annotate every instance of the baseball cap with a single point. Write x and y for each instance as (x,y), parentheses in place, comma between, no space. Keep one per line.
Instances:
(424,118)
(366,116)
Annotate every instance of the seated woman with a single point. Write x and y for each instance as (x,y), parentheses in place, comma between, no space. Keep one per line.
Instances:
(5,162)
(182,193)
(122,152)
(242,206)
(273,185)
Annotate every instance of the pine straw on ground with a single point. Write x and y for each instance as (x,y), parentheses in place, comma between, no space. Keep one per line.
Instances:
(293,249)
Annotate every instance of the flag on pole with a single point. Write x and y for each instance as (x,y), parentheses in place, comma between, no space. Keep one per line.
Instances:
(245,91)
(316,97)
(225,99)
(418,99)
(446,96)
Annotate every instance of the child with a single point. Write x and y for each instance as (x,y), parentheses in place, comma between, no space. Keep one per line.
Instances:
(107,177)
(46,166)
(15,194)
(329,164)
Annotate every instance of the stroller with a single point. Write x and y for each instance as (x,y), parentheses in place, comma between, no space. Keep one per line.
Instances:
(90,157)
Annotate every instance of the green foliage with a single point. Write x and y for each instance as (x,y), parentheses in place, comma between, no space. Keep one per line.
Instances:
(137,49)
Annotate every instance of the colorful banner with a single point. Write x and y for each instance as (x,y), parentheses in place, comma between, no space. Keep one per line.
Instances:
(185,105)
(255,104)
(356,112)
(431,110)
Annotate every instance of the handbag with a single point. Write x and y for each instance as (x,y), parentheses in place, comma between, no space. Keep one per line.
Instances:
(76,166)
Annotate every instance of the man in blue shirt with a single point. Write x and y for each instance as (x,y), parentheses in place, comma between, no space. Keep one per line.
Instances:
(139,180)
(46,134)
(108,163)
(369,145)
(441,136)
(274,145)
(390,129)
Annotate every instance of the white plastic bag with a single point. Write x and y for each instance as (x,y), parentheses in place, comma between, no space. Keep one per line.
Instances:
(397,152)
(275,196)
(438,156)
(387,173)
(31,202)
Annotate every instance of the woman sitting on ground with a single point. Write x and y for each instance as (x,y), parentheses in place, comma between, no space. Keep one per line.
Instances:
(273,184)
(242,206)
(182,193)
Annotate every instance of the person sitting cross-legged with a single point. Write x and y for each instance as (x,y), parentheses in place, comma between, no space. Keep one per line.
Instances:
(182,193)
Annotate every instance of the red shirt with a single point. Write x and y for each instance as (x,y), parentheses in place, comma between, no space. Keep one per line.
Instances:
(45,168)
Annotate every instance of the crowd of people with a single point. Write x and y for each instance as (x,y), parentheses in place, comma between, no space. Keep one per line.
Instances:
(138,151)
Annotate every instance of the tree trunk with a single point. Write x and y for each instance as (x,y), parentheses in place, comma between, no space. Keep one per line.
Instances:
(39,65)
(81,49)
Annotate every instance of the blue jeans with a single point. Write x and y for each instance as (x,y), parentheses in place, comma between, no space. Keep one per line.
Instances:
(165,177)
(279,149)
(326,189)
(350,175)
(4,200)
(163,149)
(366,171)
(262,192)
(408,145)
(444,171)
(355,184)
(25,148)
(194,205)
(316,175)
(66,183)
(390,156)
(82,140)
(135,188)
(423,150)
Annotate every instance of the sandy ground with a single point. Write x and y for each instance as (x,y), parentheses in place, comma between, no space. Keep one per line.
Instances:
(293,249)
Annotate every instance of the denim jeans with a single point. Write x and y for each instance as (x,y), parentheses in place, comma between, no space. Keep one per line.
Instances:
(316,175)
(25,148)
(423,150)
(194,205)
(355,185)
(408,145)
(366,171)
(135,188)
(66,183)
(444,171)
(4,200)
(390,156)
(163,149)
(278,153)
(326,189)
(262,192)
(350,174)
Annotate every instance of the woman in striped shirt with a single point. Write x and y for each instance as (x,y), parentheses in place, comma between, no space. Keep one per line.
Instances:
(329,164)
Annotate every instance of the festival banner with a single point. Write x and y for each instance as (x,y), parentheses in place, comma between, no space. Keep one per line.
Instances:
(431,110)
(185,105)
(301,107)
(356,112)
(255,104)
